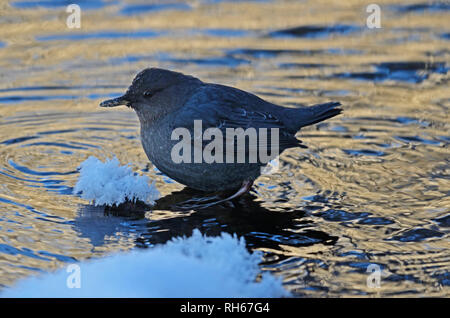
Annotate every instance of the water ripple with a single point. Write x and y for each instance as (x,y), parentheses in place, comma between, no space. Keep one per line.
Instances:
(370,189)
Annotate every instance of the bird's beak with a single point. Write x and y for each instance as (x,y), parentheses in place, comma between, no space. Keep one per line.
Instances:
(122,100)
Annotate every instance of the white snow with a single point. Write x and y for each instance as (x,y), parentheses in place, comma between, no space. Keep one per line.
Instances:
(192,267)
(111,184)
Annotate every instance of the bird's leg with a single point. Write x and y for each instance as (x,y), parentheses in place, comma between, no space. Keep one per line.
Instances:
(245,187)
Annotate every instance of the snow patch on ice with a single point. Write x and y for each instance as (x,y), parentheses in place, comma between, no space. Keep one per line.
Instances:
(109,183)
(197,266)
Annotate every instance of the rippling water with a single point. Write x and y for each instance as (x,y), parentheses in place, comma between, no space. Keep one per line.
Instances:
(372,188)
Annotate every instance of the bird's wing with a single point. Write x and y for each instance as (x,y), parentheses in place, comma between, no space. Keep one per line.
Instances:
(224,107)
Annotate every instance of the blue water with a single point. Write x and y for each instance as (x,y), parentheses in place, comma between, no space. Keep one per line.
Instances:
(371,188)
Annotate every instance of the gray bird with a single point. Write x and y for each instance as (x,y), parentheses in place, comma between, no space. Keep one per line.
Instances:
(165,100)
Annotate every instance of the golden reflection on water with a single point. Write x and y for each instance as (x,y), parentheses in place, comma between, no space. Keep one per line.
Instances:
(371,188)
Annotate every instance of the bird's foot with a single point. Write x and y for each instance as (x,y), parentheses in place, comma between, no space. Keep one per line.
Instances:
(245,187)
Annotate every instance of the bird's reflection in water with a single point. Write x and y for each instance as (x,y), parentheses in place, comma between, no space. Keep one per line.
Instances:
(262,228)
(99,225)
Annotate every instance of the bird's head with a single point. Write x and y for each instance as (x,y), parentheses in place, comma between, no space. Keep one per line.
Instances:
(145,86)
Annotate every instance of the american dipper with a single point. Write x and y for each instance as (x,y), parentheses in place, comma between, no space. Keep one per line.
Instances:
(165,100)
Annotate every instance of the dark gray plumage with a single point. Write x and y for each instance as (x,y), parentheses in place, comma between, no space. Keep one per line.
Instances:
(165,100)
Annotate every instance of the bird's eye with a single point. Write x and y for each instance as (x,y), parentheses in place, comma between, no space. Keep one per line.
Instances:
(152,92)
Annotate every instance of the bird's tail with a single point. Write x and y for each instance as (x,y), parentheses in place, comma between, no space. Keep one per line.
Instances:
(306,116)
